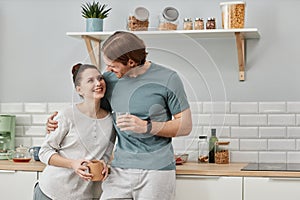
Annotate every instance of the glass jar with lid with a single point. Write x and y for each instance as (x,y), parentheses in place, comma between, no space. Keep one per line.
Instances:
(139,20)
(203,149)
(211,23)
(199,24)
(222,152)
(168,20)
(187,24)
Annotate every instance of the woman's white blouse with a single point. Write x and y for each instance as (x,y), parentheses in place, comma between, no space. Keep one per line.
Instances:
(77,137)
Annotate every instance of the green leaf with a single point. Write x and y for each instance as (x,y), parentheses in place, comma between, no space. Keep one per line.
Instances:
(94,10)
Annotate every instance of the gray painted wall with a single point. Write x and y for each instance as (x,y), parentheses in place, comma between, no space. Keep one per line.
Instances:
(36,55)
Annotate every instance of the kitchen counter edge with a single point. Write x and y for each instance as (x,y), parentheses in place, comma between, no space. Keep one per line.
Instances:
(231,169)
(189,168)
(35,166)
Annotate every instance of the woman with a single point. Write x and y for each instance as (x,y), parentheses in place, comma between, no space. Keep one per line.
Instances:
(85,133)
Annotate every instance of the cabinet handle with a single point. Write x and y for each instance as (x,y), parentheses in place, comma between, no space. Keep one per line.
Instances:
(8,171)
(197,177)
(285,179)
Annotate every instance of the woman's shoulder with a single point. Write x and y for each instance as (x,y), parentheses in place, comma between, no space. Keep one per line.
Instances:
(106,116)
(67,112)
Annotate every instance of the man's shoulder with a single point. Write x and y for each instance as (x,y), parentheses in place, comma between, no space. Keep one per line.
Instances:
(109,76)
(163,70)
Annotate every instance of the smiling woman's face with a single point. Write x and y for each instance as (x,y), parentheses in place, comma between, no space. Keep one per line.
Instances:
(92,84)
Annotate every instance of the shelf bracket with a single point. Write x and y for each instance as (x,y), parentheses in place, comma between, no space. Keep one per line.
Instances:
(240,44)
(93,50)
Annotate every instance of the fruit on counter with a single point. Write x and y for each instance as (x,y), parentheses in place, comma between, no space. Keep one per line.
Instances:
(203,159)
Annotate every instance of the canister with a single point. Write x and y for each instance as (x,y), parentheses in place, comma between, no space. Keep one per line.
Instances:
(168,19)
(203,149)
(233,14)
(222,152)
(139,20)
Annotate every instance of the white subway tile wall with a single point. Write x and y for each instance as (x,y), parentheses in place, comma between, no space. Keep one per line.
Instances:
(257,131)
(271,107)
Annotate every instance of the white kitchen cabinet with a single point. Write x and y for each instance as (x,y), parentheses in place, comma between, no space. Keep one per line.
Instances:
(208,187)
(271,188)
(16,185)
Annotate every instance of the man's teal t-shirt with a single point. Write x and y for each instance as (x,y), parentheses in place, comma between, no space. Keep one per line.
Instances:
(157,94)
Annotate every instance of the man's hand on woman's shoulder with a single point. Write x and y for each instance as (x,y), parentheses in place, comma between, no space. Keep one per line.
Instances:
(51,124)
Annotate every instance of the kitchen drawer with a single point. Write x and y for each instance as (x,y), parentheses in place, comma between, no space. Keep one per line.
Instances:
(16,185)
(208,187)
(271,188)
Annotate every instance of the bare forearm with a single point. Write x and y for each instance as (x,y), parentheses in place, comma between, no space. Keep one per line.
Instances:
(59,161)
(181,125)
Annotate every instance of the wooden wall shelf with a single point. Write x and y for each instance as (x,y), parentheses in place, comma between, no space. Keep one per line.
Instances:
(240,35)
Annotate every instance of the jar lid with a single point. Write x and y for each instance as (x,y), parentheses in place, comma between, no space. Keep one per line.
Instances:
(21,149)
(202,137)
(222,143)
(187,19)
(232,2)
(141,13)
(211,18)
(198,19)
(170,13)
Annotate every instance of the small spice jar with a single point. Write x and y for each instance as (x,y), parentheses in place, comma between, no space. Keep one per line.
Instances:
(199,24)
(222,152)
(211,23)
(187,24)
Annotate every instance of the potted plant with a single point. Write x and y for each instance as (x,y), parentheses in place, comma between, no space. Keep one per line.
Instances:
(94,14)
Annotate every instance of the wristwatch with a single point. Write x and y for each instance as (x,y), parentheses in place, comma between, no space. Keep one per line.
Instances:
(149,125)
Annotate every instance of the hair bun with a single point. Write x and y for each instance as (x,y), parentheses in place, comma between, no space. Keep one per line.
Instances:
(75,68)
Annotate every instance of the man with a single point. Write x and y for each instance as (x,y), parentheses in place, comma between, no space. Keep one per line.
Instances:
(143,166)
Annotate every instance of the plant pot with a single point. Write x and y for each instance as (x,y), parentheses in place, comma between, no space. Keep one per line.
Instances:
(94,24)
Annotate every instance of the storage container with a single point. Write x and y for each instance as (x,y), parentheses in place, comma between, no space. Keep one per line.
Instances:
(203,149)
(168,20)
(222,152)
(187,24)
(233,14)
(211,23)
(199,24)
(139,20)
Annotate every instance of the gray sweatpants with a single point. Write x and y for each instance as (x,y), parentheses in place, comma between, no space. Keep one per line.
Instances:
(139,184)
(38,194)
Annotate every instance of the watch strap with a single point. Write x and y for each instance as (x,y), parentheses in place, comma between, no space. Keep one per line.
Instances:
(149,125)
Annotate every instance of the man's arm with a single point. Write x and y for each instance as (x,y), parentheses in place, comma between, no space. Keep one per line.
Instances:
(181,125)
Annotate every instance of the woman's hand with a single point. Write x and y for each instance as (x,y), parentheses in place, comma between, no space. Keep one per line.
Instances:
(131,123)
(105,170)
(51,124)
(81,169)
